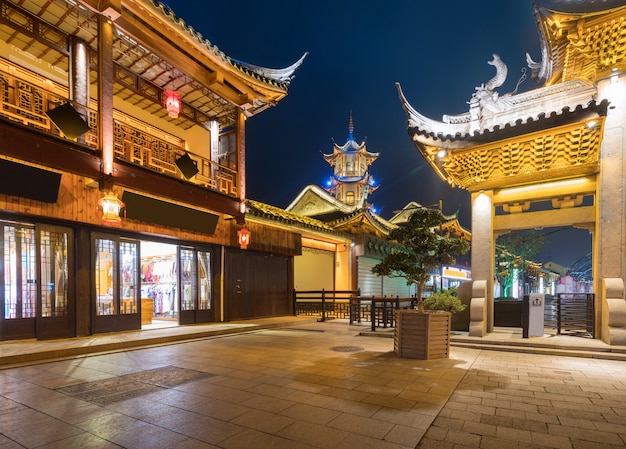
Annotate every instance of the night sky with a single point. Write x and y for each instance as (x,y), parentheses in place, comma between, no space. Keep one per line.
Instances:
(358,50)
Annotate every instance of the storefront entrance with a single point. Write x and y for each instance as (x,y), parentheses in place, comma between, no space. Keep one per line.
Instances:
(148,284)
(36,298)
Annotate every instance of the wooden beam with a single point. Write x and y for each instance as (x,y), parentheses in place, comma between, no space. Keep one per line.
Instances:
(575,216)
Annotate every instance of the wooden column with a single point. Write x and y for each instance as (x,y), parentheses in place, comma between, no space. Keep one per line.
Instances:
(105,92)
(79,78)
(241,156)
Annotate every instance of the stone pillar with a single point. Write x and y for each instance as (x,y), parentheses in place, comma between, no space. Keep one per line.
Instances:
(483,248)
(610,239)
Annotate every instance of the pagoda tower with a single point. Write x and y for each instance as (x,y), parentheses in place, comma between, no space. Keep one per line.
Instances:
(351,182)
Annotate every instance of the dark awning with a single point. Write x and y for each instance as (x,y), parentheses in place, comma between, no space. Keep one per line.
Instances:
(29,182)
(139,207)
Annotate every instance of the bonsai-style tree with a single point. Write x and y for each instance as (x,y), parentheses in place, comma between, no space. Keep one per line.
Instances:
(421,249)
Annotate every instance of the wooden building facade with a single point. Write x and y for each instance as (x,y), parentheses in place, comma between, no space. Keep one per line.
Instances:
(122,161)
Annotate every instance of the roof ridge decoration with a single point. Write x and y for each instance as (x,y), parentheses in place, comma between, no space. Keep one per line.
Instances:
(277,77)
(490,112)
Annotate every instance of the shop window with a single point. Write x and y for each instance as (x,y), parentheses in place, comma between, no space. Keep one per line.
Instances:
(106,267)
(116,277)
(228,150)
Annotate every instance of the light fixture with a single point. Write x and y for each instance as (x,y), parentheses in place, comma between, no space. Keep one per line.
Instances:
(187,166)
(172,102)
(111,206)
(243,237)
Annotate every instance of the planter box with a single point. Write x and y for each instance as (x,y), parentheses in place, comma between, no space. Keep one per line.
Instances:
(422,335)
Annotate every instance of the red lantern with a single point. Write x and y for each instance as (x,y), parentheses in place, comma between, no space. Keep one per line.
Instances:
(111,207)
(243,237)
(172,103)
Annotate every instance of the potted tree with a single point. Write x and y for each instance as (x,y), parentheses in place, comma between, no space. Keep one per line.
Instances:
(421,248)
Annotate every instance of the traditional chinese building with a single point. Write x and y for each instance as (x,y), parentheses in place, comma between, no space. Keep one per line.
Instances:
(122,161)
(344,207)
(551,156)
(351,182)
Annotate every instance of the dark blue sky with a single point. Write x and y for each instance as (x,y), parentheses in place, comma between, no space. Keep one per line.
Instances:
(358,50)
(438,51)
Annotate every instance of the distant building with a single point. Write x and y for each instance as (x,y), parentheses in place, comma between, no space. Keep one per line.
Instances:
(344,206)
(351,182)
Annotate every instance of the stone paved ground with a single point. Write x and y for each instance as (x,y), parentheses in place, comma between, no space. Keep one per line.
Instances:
(509,400)
(316,385)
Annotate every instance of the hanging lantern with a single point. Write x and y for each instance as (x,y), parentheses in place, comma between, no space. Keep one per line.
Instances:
(172,103)
(111,207)
(243,237)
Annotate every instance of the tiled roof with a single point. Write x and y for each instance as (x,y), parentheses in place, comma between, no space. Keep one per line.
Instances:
(262,210)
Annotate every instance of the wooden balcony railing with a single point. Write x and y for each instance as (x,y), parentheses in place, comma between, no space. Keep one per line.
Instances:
(25,97)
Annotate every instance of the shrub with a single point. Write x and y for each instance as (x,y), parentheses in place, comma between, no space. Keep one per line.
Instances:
(445,300)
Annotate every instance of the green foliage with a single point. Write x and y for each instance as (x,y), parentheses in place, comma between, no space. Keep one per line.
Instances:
(514,251)
(445,300)
(421,250)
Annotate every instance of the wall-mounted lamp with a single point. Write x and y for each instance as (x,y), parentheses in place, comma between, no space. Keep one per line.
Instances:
(172,102)
(243,238)
(111,206)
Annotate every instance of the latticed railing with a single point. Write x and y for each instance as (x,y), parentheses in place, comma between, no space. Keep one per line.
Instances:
(25,98)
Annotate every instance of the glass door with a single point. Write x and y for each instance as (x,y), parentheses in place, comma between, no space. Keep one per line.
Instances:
(55,308)
(36,297)
(195,282)
(187,258)
(205,312)
(116,273)
(19,280)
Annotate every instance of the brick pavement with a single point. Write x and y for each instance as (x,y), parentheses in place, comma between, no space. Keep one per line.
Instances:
(313,385)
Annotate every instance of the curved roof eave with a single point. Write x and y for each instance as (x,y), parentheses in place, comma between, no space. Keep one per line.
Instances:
(377,222)
(435,129)
(276,78)
(276,214)
(283,76)
(350,145)
(518,109)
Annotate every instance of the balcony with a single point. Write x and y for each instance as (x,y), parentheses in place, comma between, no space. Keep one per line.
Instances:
(25,97)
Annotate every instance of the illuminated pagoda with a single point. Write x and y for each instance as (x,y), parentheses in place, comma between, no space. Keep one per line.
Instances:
(548,157)
(351,181)
(344,207)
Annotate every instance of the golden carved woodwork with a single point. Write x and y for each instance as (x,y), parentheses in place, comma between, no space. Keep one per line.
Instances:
(570,150)
(588,46)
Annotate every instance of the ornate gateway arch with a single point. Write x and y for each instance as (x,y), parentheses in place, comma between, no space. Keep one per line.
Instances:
(561,144)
